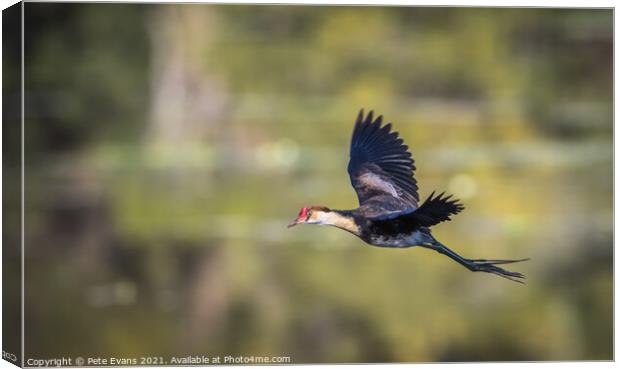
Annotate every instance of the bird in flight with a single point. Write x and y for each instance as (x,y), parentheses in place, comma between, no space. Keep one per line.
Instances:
(381,171)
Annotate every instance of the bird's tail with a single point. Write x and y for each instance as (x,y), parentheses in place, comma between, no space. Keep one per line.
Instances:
(478,265)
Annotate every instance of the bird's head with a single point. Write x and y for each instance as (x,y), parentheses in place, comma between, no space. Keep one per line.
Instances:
(311,215)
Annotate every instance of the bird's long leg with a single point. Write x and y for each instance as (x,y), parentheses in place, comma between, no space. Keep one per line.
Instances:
(498,261)
(477,265)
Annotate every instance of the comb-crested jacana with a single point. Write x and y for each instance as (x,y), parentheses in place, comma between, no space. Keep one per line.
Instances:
(381,171)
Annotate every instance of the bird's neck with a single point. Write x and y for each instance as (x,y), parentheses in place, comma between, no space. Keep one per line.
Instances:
(340,219)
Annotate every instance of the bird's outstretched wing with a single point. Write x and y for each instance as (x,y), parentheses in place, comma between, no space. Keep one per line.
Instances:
(381,168)
(434,210)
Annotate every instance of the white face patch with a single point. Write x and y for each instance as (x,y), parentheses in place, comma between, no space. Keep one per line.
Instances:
(336,220)
(374,181)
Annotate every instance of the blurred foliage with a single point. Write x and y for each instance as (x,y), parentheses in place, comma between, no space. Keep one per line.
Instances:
(168,146)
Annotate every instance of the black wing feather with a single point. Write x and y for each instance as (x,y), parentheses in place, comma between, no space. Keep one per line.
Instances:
(436,210)
(381,166)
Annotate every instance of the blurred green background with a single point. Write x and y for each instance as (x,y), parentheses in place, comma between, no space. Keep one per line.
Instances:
(168,146)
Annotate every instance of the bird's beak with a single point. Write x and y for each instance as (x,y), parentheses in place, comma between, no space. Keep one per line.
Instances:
(294,223)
